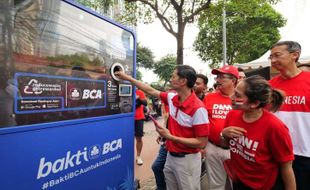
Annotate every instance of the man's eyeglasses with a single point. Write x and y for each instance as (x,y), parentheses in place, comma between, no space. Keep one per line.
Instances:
(277,55)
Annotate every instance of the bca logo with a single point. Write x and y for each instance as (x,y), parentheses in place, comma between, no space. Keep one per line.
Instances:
(92,94)
(75,94)
(94,152)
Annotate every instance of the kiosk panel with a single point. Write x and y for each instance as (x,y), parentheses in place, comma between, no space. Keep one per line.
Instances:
(65,121)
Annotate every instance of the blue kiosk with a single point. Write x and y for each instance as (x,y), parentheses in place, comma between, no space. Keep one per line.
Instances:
(66,122)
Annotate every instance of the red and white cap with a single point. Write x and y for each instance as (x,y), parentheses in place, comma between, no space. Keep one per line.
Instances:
(227,69)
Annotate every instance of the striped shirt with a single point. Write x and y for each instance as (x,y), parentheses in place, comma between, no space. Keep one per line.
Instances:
(295,111)
(188,119)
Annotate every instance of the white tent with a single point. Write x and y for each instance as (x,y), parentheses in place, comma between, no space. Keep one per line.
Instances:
(297,13)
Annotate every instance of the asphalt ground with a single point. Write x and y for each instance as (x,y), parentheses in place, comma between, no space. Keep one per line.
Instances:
(149,152)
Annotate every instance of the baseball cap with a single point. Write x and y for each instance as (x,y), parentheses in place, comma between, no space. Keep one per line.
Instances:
(227,69)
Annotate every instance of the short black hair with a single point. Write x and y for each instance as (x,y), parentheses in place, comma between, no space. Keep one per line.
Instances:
(203,77)
(291,46)
(240,69)
(187,72)
(258,89)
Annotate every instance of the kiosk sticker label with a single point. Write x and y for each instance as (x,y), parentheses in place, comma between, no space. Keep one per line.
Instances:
(45,93)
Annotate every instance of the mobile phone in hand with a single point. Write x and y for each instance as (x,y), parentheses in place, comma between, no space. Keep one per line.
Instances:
(154,121)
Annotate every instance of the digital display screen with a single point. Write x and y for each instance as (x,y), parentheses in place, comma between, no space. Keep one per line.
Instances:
(125,90)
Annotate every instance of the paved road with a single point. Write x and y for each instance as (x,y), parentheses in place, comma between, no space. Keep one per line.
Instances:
(149,152)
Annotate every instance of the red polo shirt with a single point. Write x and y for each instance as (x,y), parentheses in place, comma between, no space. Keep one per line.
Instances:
(188,119)
(139,114)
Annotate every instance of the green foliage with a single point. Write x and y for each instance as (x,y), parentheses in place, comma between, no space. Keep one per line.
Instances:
(252,27)
(138,75)
(102,5)
(173,15)
(145,57)
(165,67)
(135,13)
(147,11)
(158,86)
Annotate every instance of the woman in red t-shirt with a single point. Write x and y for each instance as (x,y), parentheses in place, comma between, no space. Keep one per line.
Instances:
(259,142)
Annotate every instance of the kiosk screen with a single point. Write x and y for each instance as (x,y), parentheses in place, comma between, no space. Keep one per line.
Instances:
(55,62)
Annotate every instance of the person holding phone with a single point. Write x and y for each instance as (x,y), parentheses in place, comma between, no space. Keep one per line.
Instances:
(159,163)
(188,128)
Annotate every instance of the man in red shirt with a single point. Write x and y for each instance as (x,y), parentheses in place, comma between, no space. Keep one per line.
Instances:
(188,128)
(241,74)
(295,112)
(218,105)
(139,121)
(201,86)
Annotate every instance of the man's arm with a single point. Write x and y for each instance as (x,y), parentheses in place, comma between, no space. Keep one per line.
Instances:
(288,175)
(144,87)
(198,142)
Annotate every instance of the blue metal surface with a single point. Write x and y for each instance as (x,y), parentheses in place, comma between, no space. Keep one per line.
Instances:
(95,153)
(62,158)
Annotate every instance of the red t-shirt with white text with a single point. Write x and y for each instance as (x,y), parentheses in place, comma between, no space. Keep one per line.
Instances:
(218,107)
(295,111)
(255,157)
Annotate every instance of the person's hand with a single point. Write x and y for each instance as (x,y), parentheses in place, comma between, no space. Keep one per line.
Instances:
(158,139)
(203,153)
(233,132)
(122,75)
(163,132)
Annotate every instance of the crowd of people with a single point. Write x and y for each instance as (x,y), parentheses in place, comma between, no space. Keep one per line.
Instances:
(250,133)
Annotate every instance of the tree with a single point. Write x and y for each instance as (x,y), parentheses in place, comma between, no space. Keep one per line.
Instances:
(158,86)
(145,57)
(174,15)
(138,75)
(252,27)
(165,67)
(97,5)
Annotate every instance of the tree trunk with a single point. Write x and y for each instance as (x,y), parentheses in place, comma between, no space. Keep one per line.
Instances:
(180,45)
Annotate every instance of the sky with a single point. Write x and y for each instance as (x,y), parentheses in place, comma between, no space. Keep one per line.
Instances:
(156,38)
(161,43)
